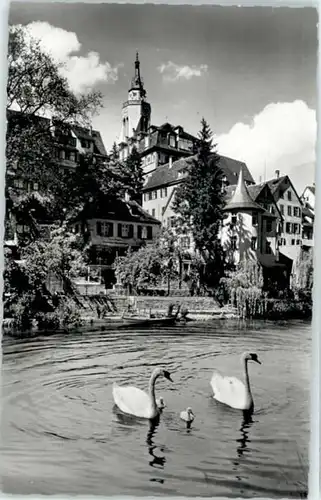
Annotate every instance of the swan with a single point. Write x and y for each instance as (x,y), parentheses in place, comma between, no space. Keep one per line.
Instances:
(188,417)
(134,401)
(232,391)
(161,403)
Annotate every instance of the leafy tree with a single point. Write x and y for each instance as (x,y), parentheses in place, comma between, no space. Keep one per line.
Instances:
(25,282)
(303,274)
(151,265)
(131,173)
(198,204)
(243,287)
(38,98)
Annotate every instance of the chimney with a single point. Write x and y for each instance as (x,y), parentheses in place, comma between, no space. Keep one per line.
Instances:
(170,163)
(277,174)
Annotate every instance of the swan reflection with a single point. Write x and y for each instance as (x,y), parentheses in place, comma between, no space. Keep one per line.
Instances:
(157,461)
(244,439)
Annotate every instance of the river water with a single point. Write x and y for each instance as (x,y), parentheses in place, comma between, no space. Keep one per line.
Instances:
(61,432)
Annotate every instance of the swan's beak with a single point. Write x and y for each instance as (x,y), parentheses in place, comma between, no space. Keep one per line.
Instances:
(168,376)
(258,361)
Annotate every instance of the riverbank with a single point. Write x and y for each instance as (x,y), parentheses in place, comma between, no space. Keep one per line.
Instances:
(100,312)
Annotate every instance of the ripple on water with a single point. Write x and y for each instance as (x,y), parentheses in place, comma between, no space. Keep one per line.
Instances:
(59,419)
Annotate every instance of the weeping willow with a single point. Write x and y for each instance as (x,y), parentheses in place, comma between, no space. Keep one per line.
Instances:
(244,287)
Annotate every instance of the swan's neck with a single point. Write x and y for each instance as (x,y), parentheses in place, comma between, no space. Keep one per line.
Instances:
(152,382)
(247,378)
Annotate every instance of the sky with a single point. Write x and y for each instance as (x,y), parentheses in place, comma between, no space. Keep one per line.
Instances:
(250,72)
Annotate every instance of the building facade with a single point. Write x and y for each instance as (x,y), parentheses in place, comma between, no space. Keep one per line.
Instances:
(308,201)
(250,231)
(111,231)
(290,206)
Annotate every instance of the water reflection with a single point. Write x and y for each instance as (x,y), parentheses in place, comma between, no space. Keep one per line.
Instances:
(157,461)
(244,439)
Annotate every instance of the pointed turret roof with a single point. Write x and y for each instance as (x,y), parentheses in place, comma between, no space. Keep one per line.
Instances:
(241,199)
(137,81)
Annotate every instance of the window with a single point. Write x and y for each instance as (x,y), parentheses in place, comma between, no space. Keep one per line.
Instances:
(268,226)
(268,249)
(289,196)
(145,196)
(72,156)
(296,212)
(233,220)
(35,186)
(125,230)
(154,195)
(233,243)
(171,222)
(163,192)
(298,242)
(172,141)
(281,193)
(18,183)
(254,220)
(253,242)
(150,195)
(145,232)
(288,228)
(290,210)
(292,242)
(105,229)
(282,209)
(62,154)
(153,212)
(185,242)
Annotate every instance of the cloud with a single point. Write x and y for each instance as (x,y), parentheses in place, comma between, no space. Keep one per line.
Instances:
(83,72)
(173,72)
(281,137)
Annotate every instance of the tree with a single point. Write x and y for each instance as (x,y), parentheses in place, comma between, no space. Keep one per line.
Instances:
(38,99)
(243,287)
(303,275)
(25,283)
(151,265)
(198,204)
(132,174)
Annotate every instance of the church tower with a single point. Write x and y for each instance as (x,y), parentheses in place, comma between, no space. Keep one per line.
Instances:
(136,111)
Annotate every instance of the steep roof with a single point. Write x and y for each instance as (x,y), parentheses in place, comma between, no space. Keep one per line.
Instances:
(166,175)
(127,211)
(90,135)
(275,184)
(312,189)
(241,199)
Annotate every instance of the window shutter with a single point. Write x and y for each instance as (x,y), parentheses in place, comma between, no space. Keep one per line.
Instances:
(139,232)
(111,230)
(119,230)
(149,233)
(98,228)
(131,231)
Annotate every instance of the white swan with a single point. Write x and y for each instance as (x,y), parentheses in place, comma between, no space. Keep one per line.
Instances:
(187,415)
(161,403)
(232,391)
(134,401)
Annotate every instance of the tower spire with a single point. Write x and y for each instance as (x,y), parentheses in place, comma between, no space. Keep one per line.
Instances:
(137,82)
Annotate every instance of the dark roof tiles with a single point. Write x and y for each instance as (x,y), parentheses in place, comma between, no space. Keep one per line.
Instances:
(165,174)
